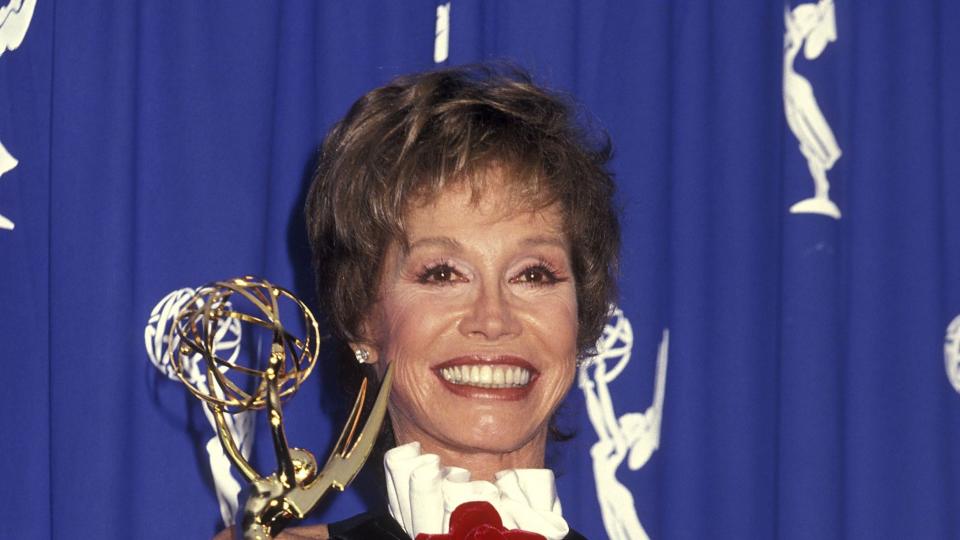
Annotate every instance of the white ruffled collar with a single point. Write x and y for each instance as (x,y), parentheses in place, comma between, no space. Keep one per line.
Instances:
(422,494)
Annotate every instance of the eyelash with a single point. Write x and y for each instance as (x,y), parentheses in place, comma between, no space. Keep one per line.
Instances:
(433,274)
(543,268)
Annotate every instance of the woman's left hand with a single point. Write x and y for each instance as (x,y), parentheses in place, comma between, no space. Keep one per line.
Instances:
(312,532)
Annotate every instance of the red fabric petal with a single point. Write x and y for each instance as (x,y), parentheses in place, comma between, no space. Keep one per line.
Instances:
(479,520)
(425,536)
(471,515)
(485,532)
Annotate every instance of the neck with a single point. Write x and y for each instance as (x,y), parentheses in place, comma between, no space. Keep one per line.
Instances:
(482,463)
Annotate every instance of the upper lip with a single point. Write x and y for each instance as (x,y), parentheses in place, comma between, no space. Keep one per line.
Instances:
(498,359)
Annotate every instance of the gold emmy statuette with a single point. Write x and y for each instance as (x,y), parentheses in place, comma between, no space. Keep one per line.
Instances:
(269,503)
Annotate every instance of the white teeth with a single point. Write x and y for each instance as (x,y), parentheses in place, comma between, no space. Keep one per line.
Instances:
(451,374)
(487,376)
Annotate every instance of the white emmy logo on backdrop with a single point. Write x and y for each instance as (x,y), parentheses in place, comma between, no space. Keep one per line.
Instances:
(7,163)
(951,353)
(15,19)
(157,340)
(811,27)
(441,40)
(633,436)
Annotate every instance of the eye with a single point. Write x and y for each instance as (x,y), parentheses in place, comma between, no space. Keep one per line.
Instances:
(440,274)
(537,275)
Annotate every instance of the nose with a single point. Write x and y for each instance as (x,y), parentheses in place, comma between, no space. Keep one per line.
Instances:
(490,315)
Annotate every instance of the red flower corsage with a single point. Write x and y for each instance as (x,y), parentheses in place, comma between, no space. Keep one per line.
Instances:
(479,520)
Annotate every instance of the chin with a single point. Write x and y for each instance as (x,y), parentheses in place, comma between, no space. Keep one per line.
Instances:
(492,434)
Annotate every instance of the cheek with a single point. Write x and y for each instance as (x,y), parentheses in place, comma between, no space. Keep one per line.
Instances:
(556,325)
(556,317)
(407,325)
(403,339)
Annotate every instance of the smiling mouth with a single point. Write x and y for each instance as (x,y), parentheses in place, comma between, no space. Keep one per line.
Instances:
(486,375)
(502,377)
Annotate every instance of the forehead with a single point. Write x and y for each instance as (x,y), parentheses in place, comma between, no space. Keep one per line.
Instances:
(489,195)
(497,208)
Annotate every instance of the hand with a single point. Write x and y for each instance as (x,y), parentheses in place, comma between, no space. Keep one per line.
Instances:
(312,532)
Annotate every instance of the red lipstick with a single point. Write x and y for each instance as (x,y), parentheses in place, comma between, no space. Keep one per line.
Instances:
(473,391)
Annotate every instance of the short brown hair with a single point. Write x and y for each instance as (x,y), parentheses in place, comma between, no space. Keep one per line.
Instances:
(403,142)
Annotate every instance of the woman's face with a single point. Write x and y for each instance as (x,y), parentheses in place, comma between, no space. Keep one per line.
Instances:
(479,316)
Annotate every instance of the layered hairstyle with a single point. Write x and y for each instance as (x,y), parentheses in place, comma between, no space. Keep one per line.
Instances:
(405,142)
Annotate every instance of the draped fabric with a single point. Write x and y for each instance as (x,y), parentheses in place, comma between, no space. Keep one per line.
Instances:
(151,146)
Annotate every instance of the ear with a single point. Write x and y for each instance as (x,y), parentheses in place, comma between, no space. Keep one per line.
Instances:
(365,349)
(368,334)
(365,353)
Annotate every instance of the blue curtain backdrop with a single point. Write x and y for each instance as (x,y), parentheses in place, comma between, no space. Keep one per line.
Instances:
(161,145)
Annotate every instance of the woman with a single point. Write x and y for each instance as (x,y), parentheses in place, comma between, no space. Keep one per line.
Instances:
(462,228)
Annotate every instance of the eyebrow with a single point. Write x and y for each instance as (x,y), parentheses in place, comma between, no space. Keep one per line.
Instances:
(455,245)
(545,239)
(442,241)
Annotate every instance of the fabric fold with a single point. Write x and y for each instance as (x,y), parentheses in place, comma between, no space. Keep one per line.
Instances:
(422,494)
